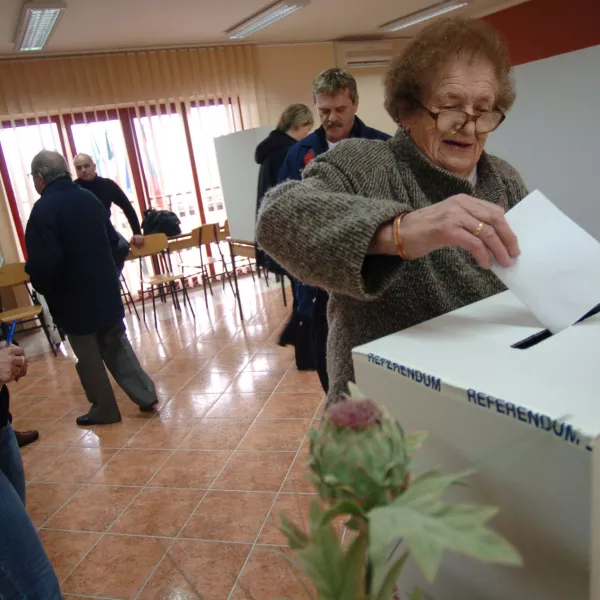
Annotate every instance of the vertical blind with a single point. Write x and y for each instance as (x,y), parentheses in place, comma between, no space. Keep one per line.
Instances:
(148,119)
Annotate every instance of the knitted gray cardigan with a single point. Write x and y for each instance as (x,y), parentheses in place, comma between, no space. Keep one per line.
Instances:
(320,229)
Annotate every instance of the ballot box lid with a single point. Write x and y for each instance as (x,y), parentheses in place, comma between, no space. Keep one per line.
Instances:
(469,352)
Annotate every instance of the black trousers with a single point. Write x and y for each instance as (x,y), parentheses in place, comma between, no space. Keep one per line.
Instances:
(320,330)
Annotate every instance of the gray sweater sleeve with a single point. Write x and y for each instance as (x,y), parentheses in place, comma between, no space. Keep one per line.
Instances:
(320,228)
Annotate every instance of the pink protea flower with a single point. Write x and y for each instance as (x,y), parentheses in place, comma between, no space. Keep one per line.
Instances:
(354,414)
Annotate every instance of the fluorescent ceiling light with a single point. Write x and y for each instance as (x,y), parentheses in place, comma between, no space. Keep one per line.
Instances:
(423,15)
(38,19)
(264,18)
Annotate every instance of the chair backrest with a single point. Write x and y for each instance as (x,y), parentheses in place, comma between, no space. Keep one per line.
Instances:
(189,241)
(209,234)
(222,232)
(153,244)
(13,274)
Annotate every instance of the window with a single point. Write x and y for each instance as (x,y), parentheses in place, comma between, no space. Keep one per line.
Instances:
(20,144)
(167,166)
(206,123)
(162,157)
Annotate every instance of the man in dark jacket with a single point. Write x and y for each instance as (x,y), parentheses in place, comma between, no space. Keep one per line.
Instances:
(70,242)
(295,123)
(336,96)
(108,192)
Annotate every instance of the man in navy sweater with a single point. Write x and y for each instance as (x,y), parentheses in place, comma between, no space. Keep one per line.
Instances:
(336,97)
(108,192)
(71,247)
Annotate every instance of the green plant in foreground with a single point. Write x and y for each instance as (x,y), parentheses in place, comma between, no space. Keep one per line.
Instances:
(360,466)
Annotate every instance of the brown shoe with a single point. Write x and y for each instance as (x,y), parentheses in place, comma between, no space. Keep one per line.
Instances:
(24,438)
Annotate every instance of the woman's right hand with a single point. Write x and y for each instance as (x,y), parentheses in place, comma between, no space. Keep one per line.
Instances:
(454,222)
(12,360)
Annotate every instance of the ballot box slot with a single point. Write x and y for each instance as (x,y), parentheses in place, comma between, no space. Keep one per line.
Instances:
(540,336)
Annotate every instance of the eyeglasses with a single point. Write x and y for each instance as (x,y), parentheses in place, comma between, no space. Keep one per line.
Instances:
(452,121)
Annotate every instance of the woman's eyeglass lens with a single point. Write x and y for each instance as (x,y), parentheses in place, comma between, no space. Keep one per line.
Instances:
(452,121)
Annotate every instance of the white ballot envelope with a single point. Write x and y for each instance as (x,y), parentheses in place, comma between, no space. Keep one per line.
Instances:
(557,274)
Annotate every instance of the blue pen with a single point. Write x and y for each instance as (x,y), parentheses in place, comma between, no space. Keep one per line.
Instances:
(11,333)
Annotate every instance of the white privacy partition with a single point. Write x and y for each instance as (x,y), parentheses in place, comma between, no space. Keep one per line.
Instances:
(552,135)
(239,178)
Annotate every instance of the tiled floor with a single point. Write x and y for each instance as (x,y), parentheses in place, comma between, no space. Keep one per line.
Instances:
(179,504)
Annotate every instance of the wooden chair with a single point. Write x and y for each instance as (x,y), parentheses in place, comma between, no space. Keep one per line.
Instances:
(186,242)
(223,233)
(163,284)
(127,297)
(13,275)
(206,236)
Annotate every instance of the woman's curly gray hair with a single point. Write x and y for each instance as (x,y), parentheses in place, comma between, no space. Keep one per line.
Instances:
(410,72)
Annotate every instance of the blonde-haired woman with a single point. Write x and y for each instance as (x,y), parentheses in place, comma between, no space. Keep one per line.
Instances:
(295,124)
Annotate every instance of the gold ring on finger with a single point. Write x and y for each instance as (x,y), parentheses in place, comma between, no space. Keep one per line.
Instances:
(479,229)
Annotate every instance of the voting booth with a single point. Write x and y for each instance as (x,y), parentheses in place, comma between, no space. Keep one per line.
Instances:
(524,413)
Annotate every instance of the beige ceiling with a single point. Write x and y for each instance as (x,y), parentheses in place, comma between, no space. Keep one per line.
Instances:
(100,25)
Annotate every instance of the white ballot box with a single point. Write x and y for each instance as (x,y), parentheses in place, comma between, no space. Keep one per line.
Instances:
(525,419)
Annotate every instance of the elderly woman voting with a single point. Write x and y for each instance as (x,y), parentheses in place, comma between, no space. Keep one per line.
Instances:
(402,231)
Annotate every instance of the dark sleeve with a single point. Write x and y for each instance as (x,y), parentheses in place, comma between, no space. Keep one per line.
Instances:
(290,170)
(263,184)
(122,201)
(45,262)
(320,230)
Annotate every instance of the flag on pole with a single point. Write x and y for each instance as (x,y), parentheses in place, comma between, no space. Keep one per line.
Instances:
(109,150)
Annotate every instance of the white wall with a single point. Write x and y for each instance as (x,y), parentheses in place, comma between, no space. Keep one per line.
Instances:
(370,108)
(552,135)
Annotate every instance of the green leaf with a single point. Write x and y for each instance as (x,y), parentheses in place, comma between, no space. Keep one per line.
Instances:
(353,583)
(429,525)
(322,559)
(297,539)
(297,568)
(417,594)
(386,590)
(415,440)
(343,507)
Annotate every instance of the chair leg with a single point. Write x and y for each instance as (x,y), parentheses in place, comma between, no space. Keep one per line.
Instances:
(227,274)
(283,291)
(154,306)
(237,289)
(47,333)
(143,302)
(208,280)
(204,290)
(124,297)
(266,274)
(128,293)
(175,296)
(186,297)
(251,271)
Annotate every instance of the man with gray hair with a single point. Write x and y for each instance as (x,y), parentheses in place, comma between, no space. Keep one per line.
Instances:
(70,244)
(336,97)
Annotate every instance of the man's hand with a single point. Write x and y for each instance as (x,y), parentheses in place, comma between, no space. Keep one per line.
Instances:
(137,241)
(13,364)
(23,370)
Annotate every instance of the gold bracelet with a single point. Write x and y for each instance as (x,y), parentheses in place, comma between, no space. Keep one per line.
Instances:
(404,255)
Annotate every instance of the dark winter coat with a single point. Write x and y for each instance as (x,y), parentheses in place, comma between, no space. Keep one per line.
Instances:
(270,155)
(70,245)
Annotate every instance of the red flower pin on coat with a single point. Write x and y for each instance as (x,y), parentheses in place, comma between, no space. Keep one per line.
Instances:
(309,157)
